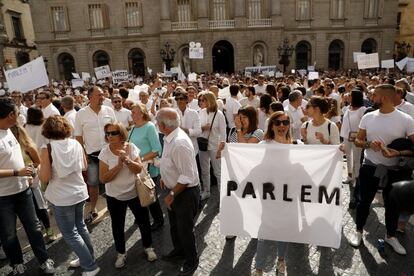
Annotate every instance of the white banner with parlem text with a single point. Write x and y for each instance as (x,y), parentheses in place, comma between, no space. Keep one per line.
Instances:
(281,192)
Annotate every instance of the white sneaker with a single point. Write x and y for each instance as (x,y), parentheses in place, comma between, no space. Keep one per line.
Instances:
(205,195)
(2,254)
(396,245)
(356,239)
(91,273)
(19,269)
(151,256)
(120,260)
(75,263)
(48,267)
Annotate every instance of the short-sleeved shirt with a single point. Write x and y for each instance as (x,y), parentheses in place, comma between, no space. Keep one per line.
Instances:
(90,126)
(329,130)
(147,140)
(11,158)
(258,134)
(385,128)
(123,116)
(122,187)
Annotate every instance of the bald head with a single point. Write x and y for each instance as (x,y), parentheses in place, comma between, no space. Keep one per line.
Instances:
(168,120)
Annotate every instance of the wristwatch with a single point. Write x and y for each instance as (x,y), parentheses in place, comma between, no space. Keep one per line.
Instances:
(172,193)
(127,162)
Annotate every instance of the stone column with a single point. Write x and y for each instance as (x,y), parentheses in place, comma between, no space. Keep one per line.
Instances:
(165,9)
(203,13)
(3,35)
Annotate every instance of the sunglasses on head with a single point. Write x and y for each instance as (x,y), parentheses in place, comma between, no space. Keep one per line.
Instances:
(281,122)
(112,133)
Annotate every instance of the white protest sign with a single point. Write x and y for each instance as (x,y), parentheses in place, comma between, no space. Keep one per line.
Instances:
(279,75)
(149,70)
(313,75)
(368,61)
(77,83)
(86,76)
(402,63)
(296,200)
(356,54)
(388,63)
(192,77)
(27,77)
(196,53)
(271,74)
(120,76)
(410,65)
(103,72)
(260,69)
(302,72)
(311,68)
(76,75)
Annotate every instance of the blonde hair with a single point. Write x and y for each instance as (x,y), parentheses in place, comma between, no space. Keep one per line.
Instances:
(123,133)
(211,101)
(22,136)
(143,110)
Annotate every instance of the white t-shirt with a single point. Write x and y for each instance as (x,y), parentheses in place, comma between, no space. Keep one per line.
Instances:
(232,108)
(385,128)
(122,187)
(11,158)
(50,110)
(406,107)
(71,117)
(311,130)
(351,120)
(123,116)
(255,102)
(70,189)
(260,89)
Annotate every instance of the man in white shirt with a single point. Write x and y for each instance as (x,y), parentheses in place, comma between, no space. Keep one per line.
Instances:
(17,97)
(260,88)
(250,98)
(45,100)
(292,83)
(16,198)
(179,174)
(122,114)
(378,129)
(67,103)
(89,131)
(144,99)
(232,106)
(295,112)
(403,105)
(192,101)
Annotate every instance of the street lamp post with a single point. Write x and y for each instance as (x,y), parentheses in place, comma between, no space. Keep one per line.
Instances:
(285,52)
(403,49)
(167,55)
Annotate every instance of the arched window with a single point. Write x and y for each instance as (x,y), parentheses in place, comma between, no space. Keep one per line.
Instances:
(369,46)
(136,62)
(66,65)
(100,58)
(336,54)
(303,55)
(22,58)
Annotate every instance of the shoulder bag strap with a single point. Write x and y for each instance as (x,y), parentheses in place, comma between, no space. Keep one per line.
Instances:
(211,126)
(129,137)
(49,151)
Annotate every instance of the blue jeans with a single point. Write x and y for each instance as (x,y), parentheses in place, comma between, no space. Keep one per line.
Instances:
(69,219)
(264,249)
(20,205)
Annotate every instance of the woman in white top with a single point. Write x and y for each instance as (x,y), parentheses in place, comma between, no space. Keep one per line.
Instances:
(216,139)
(278,131)
(119,162)
(34,126)
(62,162)
(319,130)
(349,130)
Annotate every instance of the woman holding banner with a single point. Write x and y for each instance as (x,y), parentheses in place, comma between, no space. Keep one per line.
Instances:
(278,132)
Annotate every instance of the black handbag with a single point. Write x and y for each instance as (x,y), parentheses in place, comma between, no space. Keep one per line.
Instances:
(203,142)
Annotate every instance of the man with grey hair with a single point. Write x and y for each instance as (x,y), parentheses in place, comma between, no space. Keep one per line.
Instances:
(67,104)
(295,112)
(179,174)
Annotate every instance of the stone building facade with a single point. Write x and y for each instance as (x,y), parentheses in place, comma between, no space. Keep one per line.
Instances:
(16,34)
(405,29)
(78,35)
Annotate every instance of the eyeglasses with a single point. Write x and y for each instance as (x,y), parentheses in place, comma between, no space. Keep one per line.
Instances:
(112,133)
(281,122)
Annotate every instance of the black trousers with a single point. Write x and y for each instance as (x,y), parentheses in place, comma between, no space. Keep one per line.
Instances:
(368,186)
(182,215)
(117,209)
(155,208)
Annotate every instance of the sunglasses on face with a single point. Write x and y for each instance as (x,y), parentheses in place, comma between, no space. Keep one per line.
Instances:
(281,122)
(112,133)
(116,101)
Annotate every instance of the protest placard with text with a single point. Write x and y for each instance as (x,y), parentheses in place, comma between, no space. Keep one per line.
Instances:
(102,72)
(119,76)
(368,61)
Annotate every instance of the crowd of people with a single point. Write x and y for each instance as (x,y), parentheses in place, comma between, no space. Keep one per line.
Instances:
(59,144)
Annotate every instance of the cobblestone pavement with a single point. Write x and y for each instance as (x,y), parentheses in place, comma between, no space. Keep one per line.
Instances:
(218,257)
